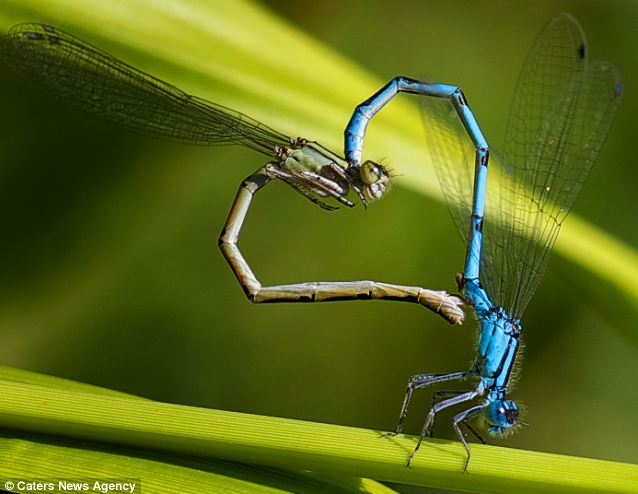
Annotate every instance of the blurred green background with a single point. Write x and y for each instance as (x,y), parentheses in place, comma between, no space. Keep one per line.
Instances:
(111,274)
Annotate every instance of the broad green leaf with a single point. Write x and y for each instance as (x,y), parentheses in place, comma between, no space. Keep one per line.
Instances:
(26,456)
(282,443)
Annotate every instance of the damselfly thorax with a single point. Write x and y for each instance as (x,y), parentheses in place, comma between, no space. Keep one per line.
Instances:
(316,172)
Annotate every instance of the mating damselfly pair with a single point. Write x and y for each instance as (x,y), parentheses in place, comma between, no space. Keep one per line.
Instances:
(561,113)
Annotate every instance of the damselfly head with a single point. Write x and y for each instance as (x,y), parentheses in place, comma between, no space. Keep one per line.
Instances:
(374,179)
(501,416)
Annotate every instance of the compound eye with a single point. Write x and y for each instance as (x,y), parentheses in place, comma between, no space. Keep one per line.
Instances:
(370,173)
(510,414)
(502,414)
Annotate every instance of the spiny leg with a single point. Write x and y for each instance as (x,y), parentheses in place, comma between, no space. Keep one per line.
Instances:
(448,394)
(464,418)
(350,175)
(420,381)
(438,396)
(323,186)
(444,304)
(469,395)
(322,183)
(309,194)
(319,185)
(476,433)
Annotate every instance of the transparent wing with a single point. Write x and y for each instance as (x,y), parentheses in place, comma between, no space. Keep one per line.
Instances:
(452,154)
(562,111)
(98,83)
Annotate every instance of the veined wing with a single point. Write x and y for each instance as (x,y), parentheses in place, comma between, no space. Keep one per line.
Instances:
(99,83)
(453,156)
(562,111)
